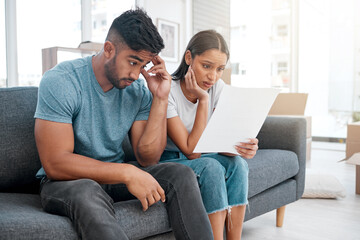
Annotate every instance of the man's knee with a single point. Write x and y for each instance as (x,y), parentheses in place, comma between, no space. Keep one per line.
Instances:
(60,196)
(178,175)
(85,189)
(178,170)
(75,191)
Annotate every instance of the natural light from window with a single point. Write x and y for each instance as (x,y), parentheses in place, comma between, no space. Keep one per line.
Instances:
(2,45)
(301,46)
(260,41)
(103,13)
(42,24)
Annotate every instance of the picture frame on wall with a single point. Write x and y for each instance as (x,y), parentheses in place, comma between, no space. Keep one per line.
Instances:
(169,31)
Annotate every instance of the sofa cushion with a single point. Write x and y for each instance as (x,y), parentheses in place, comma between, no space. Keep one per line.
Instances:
(19,160)
(22,217)
(270,167)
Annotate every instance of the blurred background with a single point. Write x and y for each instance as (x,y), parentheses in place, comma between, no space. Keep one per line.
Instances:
(300,46)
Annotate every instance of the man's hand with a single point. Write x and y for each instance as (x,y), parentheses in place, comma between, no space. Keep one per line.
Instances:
(159,84)
(248,149)
(145,188)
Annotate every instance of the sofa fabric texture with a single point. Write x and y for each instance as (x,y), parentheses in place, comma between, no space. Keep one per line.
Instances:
(276,176)
(19,160)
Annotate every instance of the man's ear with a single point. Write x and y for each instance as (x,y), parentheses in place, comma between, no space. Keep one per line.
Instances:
(188,58)
(109,49)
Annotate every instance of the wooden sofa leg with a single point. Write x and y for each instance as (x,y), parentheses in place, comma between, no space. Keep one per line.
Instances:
(280,212)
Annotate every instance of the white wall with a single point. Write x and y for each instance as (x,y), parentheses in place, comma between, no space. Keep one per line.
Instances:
(178,11)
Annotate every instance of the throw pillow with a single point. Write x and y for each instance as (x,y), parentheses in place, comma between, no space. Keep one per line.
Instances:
(323,186)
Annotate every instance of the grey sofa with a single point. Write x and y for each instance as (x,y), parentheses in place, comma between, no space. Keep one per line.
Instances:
(276,176)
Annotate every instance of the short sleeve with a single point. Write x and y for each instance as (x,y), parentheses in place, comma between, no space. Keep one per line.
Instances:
(145,105)
(58,99)
(171,110)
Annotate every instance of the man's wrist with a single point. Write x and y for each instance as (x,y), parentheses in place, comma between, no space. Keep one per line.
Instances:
(127,174)
(160,100)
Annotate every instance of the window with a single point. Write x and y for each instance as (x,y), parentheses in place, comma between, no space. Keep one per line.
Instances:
(295,45)
(261,43)
(2,45)
(282,78)
(282,30)
(235,68)
(42,24)
(39,27)
(282,67)
(280,4)
(103,13)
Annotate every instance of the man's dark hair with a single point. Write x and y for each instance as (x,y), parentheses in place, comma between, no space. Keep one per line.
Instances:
(136,29)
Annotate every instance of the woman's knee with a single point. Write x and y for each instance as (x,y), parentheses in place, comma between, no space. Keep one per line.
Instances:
(213,169)
(238,170)
(199,171)
(208,171)
(240,165)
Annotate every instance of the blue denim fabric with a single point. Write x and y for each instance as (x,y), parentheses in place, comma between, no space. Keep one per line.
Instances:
(223,180)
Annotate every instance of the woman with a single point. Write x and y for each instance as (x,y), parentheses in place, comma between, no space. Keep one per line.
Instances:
(195,90)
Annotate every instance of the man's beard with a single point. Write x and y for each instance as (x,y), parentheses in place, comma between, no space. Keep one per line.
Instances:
(110,73)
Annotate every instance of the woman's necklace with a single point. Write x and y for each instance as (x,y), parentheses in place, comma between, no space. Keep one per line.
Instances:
(189,97)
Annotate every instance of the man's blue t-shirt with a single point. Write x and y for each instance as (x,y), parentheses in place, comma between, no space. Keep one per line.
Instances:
(70,93)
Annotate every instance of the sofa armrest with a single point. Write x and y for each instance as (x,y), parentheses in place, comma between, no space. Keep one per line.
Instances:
(286,133)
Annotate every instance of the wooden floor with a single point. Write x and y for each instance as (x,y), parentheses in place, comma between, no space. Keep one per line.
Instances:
(316,219)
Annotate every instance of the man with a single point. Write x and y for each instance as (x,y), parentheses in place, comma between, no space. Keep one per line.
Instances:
(86,107)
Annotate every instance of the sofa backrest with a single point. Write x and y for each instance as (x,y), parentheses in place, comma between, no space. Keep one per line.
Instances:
(19,160)
(129,153)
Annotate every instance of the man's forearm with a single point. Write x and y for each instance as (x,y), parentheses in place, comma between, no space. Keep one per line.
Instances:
(55,144)
(70,166)
(153,140)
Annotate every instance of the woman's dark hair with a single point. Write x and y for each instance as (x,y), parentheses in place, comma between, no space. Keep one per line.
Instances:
(136,29)
(198,44)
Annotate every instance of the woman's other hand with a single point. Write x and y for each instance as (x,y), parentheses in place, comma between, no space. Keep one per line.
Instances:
(247,149)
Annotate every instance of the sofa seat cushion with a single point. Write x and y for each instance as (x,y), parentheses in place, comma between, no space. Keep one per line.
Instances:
(270,167)
(22,217)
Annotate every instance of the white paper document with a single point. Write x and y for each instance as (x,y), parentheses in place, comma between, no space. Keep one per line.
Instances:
(238,116)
